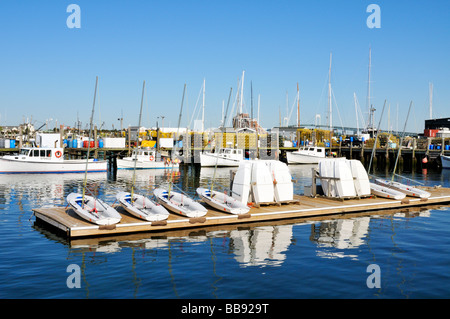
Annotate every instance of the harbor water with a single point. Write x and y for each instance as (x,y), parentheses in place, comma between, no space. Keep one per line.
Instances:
(379,255)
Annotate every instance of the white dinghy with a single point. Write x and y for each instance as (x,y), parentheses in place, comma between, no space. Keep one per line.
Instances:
(179,203)
(408,190)
(241,182)
(360,178)
(386,192)
(142,207)
(222,202)
(93,209)
(262,183)
(282,181)
(336,178)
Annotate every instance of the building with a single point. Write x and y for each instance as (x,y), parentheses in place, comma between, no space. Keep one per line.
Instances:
(437,127)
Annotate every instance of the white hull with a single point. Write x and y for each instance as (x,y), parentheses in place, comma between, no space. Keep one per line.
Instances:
(93,210)
(282,181)
(341,185)
(210,159)
(179,203)
(128,163)
(360,178)
(445,161)
(241,182)
(142,207)
(408,190)
(222,202)
(386,192)
(262,183)
(13,166)
(295,158)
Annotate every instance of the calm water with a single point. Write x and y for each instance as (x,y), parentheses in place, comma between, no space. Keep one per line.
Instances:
(325,258)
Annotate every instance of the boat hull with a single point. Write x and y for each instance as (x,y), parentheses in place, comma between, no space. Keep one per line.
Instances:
(408,190)
(179,203)
(210,159)
(130,164)
(386,192)
(296,158)
(94,210)
(222,202)
(11,166)
(142,207)
(445,161)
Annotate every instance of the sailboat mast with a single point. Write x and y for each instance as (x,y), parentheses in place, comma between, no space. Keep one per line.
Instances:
(330,115)
(298,106)
(89,139)
(203,108)
(431,101)
(369,107)
(137,142)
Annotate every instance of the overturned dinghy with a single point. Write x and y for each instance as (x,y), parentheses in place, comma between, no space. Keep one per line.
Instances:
(142,207)
(336,178)
(93,209)
(408,190)
(282,181)
(262,183)
(360,178)
(179,203)
(222,201)
(386,192)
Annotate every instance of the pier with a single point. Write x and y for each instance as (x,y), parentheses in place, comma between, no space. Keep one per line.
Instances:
(67,222)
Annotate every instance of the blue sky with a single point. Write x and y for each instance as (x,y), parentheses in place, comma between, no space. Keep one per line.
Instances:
(48,70)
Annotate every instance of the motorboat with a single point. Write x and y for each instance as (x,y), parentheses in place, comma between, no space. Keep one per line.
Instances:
(93,209)
(47,160)
(146,158)
(179,203)
(222,201)
(142,207)
(224,157)
(306,155)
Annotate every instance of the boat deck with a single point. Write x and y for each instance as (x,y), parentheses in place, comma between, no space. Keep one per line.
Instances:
(73,226)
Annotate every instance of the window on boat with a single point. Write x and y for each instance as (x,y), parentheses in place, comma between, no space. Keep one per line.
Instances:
(35,153)
(319,150)
(24,152)
(234,151)
(42,153)
(311,149)
(48,153)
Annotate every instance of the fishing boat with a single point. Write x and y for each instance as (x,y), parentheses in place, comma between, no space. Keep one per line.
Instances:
(224,157)
(406,189)
(179,203)
(142,207)
(93,209)
(222,202)
(146,158)
(386,192)
(41,160)
(306,155)
(445,160)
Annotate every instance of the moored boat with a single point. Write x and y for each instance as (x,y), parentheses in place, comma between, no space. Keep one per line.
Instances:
(146,158)
(179,203)
(142,207)
(445,160)
(386,192)
(222,201)
(224,157)
(41,160)
(306,155)
(406,189)
(93,209)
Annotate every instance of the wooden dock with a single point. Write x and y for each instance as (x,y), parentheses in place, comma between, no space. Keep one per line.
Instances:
(75,227)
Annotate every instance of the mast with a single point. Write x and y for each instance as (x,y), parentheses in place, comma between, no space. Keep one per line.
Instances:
(298,106)
(137,142)
(330,115)
(356,113)
(203,108)
(431,100)
(242,92)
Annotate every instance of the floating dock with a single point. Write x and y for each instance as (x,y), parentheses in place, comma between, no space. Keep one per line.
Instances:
(74,227)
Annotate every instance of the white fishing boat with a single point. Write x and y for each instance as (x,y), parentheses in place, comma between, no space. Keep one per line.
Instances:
(306,155)
(406,189)
(336,178)
(224,157)
(142,207)
(40,160)
(360,178)
(445,160)
(179,203)
(386,192)
(145,158)
(222,201)
(282,181)
(93,209)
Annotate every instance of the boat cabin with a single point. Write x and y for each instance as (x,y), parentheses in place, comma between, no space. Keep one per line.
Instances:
(38,153)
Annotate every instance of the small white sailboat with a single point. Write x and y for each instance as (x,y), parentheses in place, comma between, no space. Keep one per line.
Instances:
(179,203)
(408,190)
(262,183)
(282,181)
(386,192)
(93,209)
(142,207)
(222,202)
